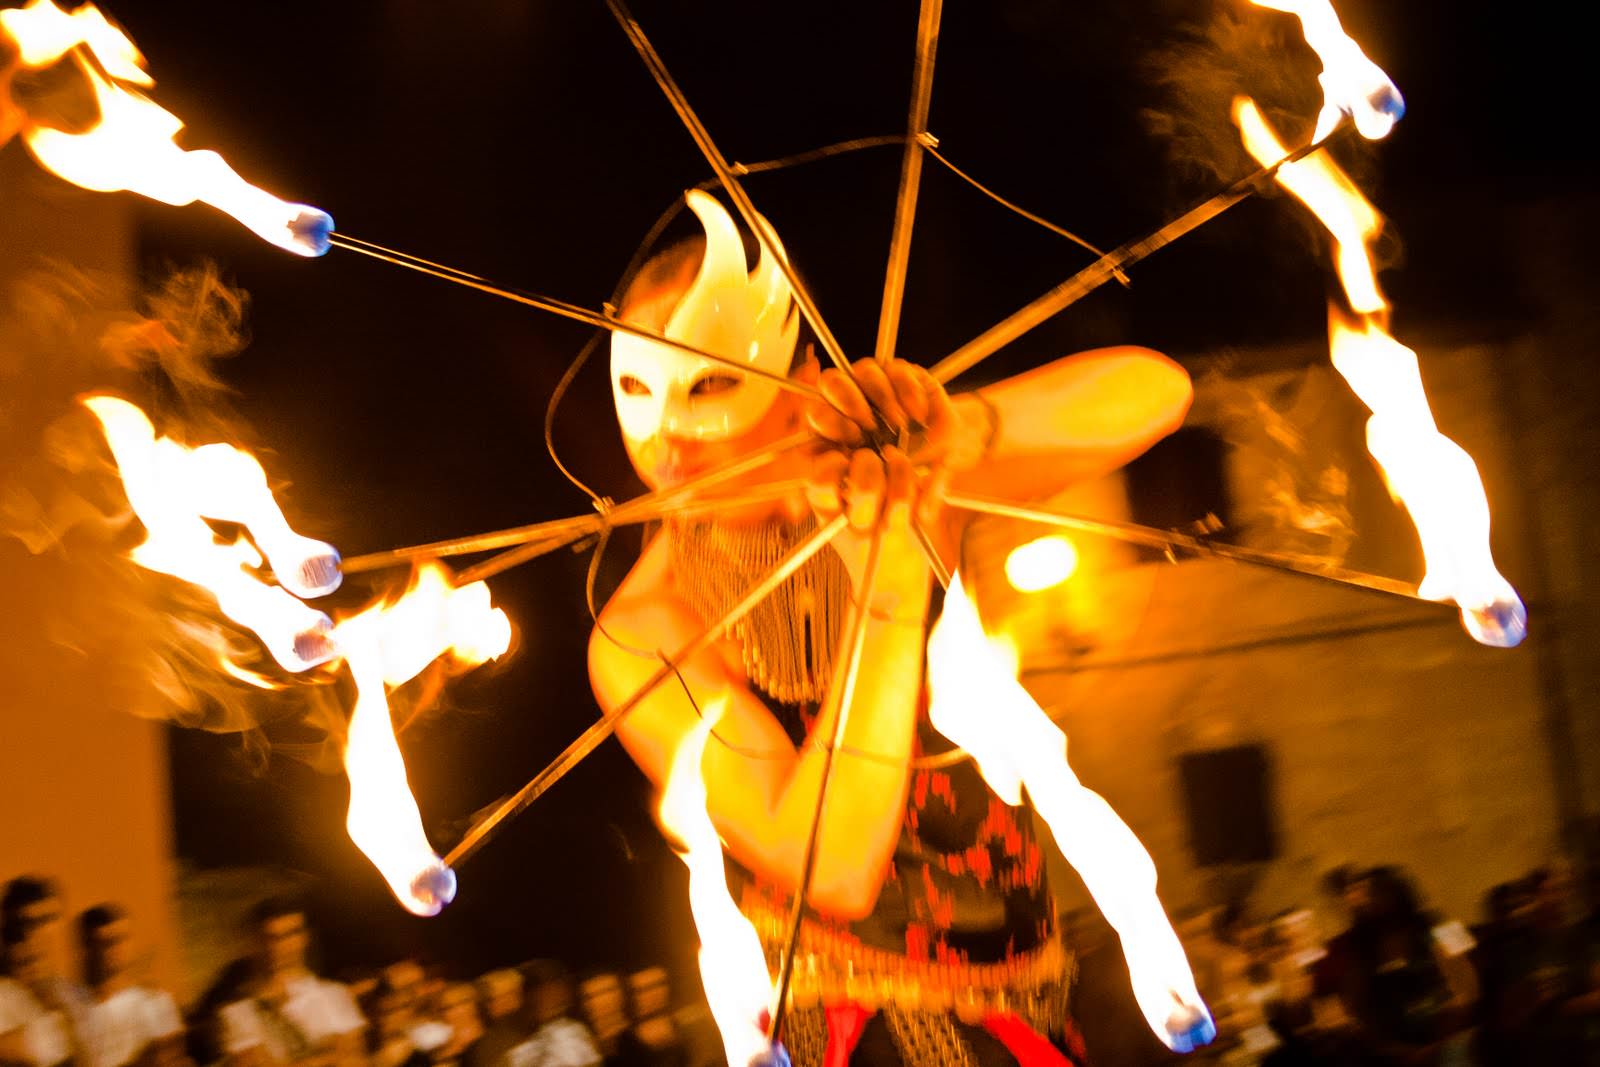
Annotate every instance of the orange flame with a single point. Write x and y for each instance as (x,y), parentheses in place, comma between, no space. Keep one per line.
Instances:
(131,146)
(733,968)
(386,646)
(977,702)
(1351,83)
(1431,475)
(170,487)
(166,486)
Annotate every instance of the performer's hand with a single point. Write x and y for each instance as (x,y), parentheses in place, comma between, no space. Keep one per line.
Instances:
(910,400)
(864,484)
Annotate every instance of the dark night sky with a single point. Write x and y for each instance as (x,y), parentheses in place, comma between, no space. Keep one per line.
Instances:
(524,142)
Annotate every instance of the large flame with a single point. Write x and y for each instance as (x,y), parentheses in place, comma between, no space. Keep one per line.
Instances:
(733,968)
(386,646)
(977,702)
(1352,84)
(131,146)
(1430,474)
(173,488)
(169,488)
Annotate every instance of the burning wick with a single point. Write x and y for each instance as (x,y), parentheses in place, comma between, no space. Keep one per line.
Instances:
(231,485)
(311,647)
(132,147)
(312,230)
(1351,83)
(1502,624)
(386,646)
(433,888)
(170,487)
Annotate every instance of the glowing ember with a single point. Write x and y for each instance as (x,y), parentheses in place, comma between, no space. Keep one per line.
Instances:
(1426,471)
(732,966)
(131,146)
(1352,84)
(386,646)
(164,485)
(1041,563)
(978,703)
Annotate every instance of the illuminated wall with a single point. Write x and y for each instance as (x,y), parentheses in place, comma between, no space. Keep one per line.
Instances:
(1392,737)
(82,784)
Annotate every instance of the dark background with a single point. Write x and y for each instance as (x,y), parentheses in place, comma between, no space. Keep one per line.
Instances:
(525,142)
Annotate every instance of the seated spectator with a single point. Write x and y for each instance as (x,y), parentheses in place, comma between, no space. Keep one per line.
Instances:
(456,1007)
(1404,985)
(390,1009)
(655,1039)
(1544,980)
(288,1014)
(35,998)
(559,1040)
(505,1024)
(122,1022)
(605,1010)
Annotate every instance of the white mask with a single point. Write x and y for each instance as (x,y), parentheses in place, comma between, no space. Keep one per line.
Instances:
(747,317)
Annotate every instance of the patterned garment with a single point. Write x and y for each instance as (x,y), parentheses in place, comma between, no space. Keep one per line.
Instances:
(966,884)
(957,965)
(965,894)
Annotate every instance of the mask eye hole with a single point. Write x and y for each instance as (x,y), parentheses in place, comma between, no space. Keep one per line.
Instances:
(713,384)
(633,386)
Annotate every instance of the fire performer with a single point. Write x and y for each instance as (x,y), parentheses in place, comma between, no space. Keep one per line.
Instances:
(929,936)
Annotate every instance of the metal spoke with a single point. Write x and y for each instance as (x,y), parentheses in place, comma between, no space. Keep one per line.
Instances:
(1169,541)
(905,212)
(730,181)
(591,738)
(1109,266)
(574,312)
(840,696)
(640,509)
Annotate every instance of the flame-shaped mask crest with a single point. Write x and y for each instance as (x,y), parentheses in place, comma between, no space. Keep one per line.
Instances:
(745,316)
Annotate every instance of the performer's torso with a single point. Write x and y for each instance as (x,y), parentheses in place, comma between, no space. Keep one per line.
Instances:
(966,883)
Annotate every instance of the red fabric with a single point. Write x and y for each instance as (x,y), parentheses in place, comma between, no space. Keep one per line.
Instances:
(1023,1042)
(846,1022)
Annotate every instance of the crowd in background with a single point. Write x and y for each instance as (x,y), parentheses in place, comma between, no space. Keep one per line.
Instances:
(271,1009)
(1371,976)
(1367,977)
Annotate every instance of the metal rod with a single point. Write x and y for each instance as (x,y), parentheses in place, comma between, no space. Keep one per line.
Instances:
(569,529)
(930,552)
(591,738)
(560,307)
(514,557)
(1167,540)
(1109,266)
(843,693)
(640,509)
(905,211)
(729,179)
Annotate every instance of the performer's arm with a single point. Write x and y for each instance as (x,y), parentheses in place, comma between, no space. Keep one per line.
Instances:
(1029,436)
(762,793)
(1069,421)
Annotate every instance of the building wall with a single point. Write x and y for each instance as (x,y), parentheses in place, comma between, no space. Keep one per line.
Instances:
(83,784)
(1392,737)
